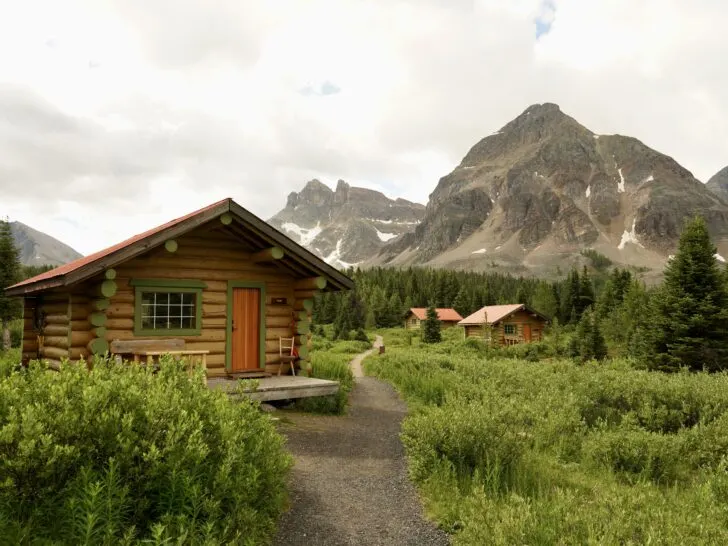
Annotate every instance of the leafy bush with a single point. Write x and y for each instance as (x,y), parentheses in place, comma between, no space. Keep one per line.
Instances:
(120,455)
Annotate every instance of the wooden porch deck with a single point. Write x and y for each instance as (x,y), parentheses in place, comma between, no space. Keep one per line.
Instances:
(282,387)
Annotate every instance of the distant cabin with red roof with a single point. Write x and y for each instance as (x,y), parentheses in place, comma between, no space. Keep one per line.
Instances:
(218,282)
(506,324)
(415,316)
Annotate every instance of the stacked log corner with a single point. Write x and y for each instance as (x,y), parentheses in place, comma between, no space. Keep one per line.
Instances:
(304,292)
(97,317)
(30,336)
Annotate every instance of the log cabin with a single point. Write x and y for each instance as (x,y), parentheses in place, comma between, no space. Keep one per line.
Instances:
(218,281)
(447,317)
(505,324)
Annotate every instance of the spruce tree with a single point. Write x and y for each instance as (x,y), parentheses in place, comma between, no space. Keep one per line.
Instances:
(10,270)
(431,326)
(586,292)
(688,323)
(461,303)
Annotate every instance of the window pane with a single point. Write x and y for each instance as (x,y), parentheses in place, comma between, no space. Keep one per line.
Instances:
(168,310)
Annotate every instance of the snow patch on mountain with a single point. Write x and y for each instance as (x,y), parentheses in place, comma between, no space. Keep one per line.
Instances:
(385,236)
(335,260)
(305,236)
(620,184)
(629,237)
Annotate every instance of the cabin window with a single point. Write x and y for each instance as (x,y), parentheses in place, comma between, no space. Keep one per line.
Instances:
(167,307)
(509,329)
(168,310)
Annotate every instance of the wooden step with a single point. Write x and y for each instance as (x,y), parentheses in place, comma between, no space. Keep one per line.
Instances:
(248,375)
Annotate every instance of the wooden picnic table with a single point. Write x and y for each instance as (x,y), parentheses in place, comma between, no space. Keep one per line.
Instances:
(150,354)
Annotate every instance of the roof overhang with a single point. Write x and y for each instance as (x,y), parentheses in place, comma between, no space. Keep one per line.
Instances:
(114,256)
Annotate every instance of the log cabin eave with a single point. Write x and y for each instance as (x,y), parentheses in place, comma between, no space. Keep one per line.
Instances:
(239,222)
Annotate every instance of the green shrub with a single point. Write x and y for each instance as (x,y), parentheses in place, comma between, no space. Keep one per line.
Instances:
(119,454)
(16,333)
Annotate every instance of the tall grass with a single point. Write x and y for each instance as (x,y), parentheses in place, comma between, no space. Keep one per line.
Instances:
(330,360)
(508,451)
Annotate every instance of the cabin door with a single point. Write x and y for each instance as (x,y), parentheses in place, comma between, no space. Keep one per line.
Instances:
(527,333)
(245,330)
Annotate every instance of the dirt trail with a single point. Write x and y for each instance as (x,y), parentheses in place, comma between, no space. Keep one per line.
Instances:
(349,484)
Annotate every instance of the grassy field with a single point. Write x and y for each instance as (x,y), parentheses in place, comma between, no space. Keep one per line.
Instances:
(330,360)
(511,451)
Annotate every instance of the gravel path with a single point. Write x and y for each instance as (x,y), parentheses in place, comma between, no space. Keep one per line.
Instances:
(349,484)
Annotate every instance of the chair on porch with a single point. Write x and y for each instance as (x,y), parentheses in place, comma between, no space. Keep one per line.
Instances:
(287,352)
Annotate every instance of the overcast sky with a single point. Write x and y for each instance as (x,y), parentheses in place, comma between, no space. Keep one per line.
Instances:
(118,115)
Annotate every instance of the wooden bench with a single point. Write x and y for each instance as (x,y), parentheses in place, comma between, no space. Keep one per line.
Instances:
(149,349)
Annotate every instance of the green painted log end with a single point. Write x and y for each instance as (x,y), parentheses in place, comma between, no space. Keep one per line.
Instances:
(171,245)
(108,288)
(97,319)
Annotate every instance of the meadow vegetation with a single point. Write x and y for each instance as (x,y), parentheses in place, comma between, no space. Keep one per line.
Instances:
(121,455)
(510,451)
(330,360)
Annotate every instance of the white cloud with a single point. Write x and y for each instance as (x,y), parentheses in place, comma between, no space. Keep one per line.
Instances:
(133,113)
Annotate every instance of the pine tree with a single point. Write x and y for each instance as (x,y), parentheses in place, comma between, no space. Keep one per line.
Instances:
(395,311)
(689,320)
(597,346)
(461,303)
(586,292)
(544,301)
(431,326)
(10,270)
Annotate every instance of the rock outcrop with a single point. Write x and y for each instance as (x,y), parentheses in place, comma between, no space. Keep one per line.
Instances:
(347,226)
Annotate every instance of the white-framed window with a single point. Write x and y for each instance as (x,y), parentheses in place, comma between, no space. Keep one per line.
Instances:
(168,310)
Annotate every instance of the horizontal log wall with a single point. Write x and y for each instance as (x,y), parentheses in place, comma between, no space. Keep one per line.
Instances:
(215,259)
(52,342)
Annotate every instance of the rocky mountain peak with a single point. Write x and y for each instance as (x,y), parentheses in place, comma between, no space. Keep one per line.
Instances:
(346,226)
(315,192)
(341,195)
(544,187)
(718,184)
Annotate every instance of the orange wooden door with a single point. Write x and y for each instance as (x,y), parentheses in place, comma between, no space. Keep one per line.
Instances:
(527,333)
(246,330)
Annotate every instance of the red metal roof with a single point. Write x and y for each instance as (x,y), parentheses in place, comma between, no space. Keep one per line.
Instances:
(492,313)
(77,264)
(444,315)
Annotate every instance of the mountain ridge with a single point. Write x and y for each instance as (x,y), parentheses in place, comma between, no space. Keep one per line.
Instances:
(529,198)
(346,226)
(38,248)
